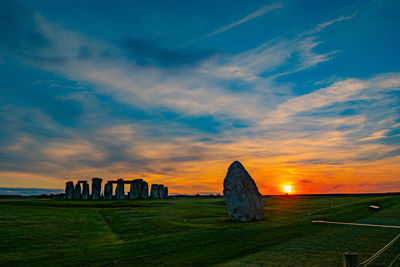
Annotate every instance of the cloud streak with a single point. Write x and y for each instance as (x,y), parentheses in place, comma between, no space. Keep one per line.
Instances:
(321,137)
(259,12)
(322,26)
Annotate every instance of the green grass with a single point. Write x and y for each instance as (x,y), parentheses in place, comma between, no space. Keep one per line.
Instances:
(193,231)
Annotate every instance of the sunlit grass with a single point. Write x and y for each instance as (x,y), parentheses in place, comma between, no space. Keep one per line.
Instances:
(191,231)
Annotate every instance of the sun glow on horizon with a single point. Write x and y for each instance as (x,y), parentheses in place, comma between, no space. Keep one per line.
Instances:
(287,189)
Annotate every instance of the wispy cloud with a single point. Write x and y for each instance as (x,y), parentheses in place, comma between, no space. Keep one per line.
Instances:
(259,12)
(322,26)
(284,135)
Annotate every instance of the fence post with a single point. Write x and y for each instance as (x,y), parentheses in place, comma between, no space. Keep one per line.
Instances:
(350,259)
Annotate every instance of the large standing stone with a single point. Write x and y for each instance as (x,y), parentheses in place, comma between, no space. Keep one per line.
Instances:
(160,190)
(69,190)
(77,192)
(96,188)
(85,190)
(108,187)
(120,192)
(242,199)
(135,192)
(165,195)
(154,191)
(145,190)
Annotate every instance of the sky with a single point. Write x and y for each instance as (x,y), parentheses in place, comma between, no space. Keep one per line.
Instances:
(302,93)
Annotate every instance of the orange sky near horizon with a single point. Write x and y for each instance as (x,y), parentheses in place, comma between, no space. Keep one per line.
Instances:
(207,177)
(176,103)
(324,163)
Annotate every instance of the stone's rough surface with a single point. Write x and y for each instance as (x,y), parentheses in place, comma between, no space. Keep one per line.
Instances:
(154,191)
(96,188)
(139,183)
(135,192)
(77,192)
(165,195)
(242,199)
(69,190)
(145,190)
(85,190)
(108,191)
(120,192)
(160,191)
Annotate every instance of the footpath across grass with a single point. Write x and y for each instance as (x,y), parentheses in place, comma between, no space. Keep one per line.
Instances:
(193,231)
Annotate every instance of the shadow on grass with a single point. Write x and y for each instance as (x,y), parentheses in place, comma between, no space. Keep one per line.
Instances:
(86,204)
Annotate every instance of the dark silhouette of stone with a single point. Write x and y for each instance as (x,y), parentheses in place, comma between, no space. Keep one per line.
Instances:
(160,191)
(96,188)
(136,189)
(154,193)
(145,190)
(85,190)
(77,192)
(139,189)
(242,199)
(165,195)
(69,190)
(120,192)
(108,191)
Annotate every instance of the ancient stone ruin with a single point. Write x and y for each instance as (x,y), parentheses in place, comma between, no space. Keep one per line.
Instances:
(77,194)
(242,199)
(96,188)
(69,189)
(158,191)
(85,190)
(138,189)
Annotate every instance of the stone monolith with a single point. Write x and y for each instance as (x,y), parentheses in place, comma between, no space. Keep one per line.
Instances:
(120,191)
(160,191)
(135,192)
(154,191)
(85,190)
(165,192)
(145,190)
(242,199)
(77,194)
(96,188)
(108,188)
(69,190)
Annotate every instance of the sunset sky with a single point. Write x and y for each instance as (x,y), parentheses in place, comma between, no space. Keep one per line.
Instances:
(302,93)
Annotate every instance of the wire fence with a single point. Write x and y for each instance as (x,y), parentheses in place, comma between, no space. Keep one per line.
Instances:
(379,252)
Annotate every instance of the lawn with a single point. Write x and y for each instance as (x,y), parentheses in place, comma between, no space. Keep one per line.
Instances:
(193,231)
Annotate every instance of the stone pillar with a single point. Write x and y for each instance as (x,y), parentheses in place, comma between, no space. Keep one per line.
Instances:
(120,192)
(77,192)
(166,192)
(85,190)
(145,190)
(154,191)
(108,191)
(96,188)
(133,191)
(160,191)
(140,185)
(136,189)
(69,189)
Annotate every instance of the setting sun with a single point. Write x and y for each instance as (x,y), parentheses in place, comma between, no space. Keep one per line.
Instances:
(287,188)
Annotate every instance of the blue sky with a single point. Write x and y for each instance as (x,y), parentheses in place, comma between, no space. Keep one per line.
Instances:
(302,92)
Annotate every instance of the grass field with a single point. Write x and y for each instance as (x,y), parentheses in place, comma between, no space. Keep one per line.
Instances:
(193,231)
